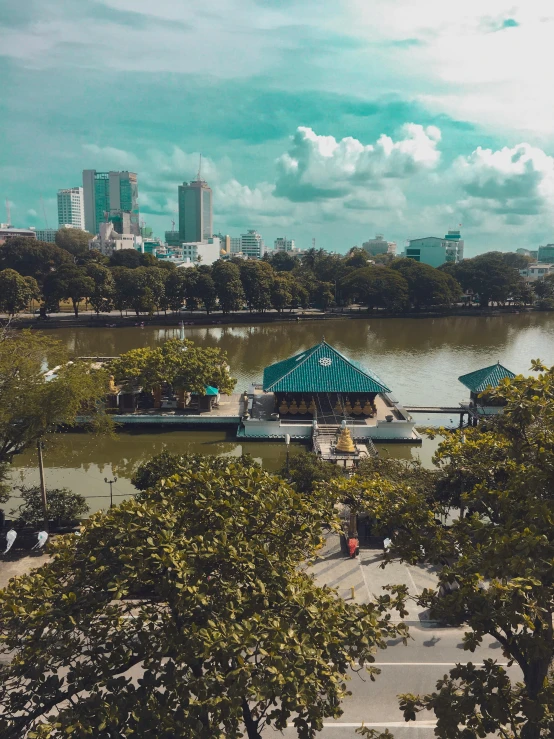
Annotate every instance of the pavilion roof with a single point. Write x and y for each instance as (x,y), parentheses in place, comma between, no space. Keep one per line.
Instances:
(481,379)
(321,369)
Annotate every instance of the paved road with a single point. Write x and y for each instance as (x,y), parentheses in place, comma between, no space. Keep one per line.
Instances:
(415,669)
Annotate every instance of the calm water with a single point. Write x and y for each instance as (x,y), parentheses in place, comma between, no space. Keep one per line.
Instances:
(419,359)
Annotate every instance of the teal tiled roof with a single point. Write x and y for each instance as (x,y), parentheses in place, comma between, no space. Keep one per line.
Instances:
(480,380)
(321,369)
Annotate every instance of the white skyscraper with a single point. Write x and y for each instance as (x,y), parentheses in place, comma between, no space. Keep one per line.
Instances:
(252,245)
(71,210)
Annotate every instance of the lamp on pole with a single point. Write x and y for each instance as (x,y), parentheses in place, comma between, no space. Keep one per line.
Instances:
(110,483)
(40,447)
(287,442)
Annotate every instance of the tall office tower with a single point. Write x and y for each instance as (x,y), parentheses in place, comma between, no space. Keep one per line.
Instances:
(195,211)
(71,211)
(252,244)
(111,196)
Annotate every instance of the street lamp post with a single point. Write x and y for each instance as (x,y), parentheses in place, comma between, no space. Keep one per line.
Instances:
(110,483)
(287,442)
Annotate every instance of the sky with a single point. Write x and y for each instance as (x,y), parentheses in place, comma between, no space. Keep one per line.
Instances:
(315,119)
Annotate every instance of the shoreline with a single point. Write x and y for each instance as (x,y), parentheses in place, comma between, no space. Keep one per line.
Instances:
(88,320)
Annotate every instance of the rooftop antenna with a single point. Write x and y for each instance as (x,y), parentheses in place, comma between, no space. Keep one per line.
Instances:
(8,216)
(44,212)
(198,176)
(313,243)
(172,225)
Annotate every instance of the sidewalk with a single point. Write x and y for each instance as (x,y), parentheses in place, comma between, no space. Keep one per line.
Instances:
(365,574)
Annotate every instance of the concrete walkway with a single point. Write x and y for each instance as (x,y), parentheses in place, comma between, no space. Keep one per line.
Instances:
(365,574)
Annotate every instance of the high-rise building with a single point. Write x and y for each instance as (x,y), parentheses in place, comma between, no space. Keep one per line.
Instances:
(252,244)
(111,196)
(283,244)
(546,253)
(378,245)
(235,244)
(47,234)
(195,211)
(71,209)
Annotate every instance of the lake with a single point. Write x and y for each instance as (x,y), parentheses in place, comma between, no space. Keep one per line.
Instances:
(419,359)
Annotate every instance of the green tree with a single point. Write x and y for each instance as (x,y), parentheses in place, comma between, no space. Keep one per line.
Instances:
(257,278)
(282,261)
(427,286)
(377,287)
(204,291)
(123,287)
(32,404)
(281,293)
(228,286)
(179,363)
(16,292)
(68,282)
(103,292)
(32,258)
(488,275)
(306,471)
(129,258)
(64,506)
(324,295)
(73,240)
(499,553)
(175,289)
(197,586)
(143,288)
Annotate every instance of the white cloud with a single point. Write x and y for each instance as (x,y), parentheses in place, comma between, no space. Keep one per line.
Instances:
(107,157)
(321,167)
(509,181)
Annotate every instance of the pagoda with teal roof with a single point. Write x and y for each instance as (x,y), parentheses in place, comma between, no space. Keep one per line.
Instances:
(480,383)
(320,388)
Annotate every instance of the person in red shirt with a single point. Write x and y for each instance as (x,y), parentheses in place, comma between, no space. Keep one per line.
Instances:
(352,547)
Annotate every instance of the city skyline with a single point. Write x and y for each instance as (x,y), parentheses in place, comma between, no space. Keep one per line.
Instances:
(338,124)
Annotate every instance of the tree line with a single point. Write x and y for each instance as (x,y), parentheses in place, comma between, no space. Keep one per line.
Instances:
(36,271)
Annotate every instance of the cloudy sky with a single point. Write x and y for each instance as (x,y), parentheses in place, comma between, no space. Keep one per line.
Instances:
(334,120)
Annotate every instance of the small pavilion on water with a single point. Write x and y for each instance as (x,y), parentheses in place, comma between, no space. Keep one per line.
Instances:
(319,388)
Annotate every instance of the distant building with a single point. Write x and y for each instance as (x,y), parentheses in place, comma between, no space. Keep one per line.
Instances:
(71,208)
(435,251)
(252,245)
(195,211)
(534,272)
(534,254)
(546,253)
(190,254)
(111,196)
(283,244)
(10,232)
(378,245)
(47,234)
(225,241)
(235,244)
(109,240)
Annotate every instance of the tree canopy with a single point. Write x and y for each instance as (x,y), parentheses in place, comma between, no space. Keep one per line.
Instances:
(179,363)
(495,560)
(16,292)
(73,240)
(186,612)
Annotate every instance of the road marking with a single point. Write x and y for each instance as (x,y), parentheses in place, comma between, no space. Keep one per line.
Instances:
(412,579)
(369,593)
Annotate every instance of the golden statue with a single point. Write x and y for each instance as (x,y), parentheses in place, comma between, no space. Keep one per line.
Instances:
(348,407)
(345,443)
(338,407)
(357,410)
(312,408)
(293,408)
(113,388)
(303,408)
(283,408)
(367,409)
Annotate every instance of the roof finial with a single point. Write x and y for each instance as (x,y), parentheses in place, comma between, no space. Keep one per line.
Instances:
(323,339)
